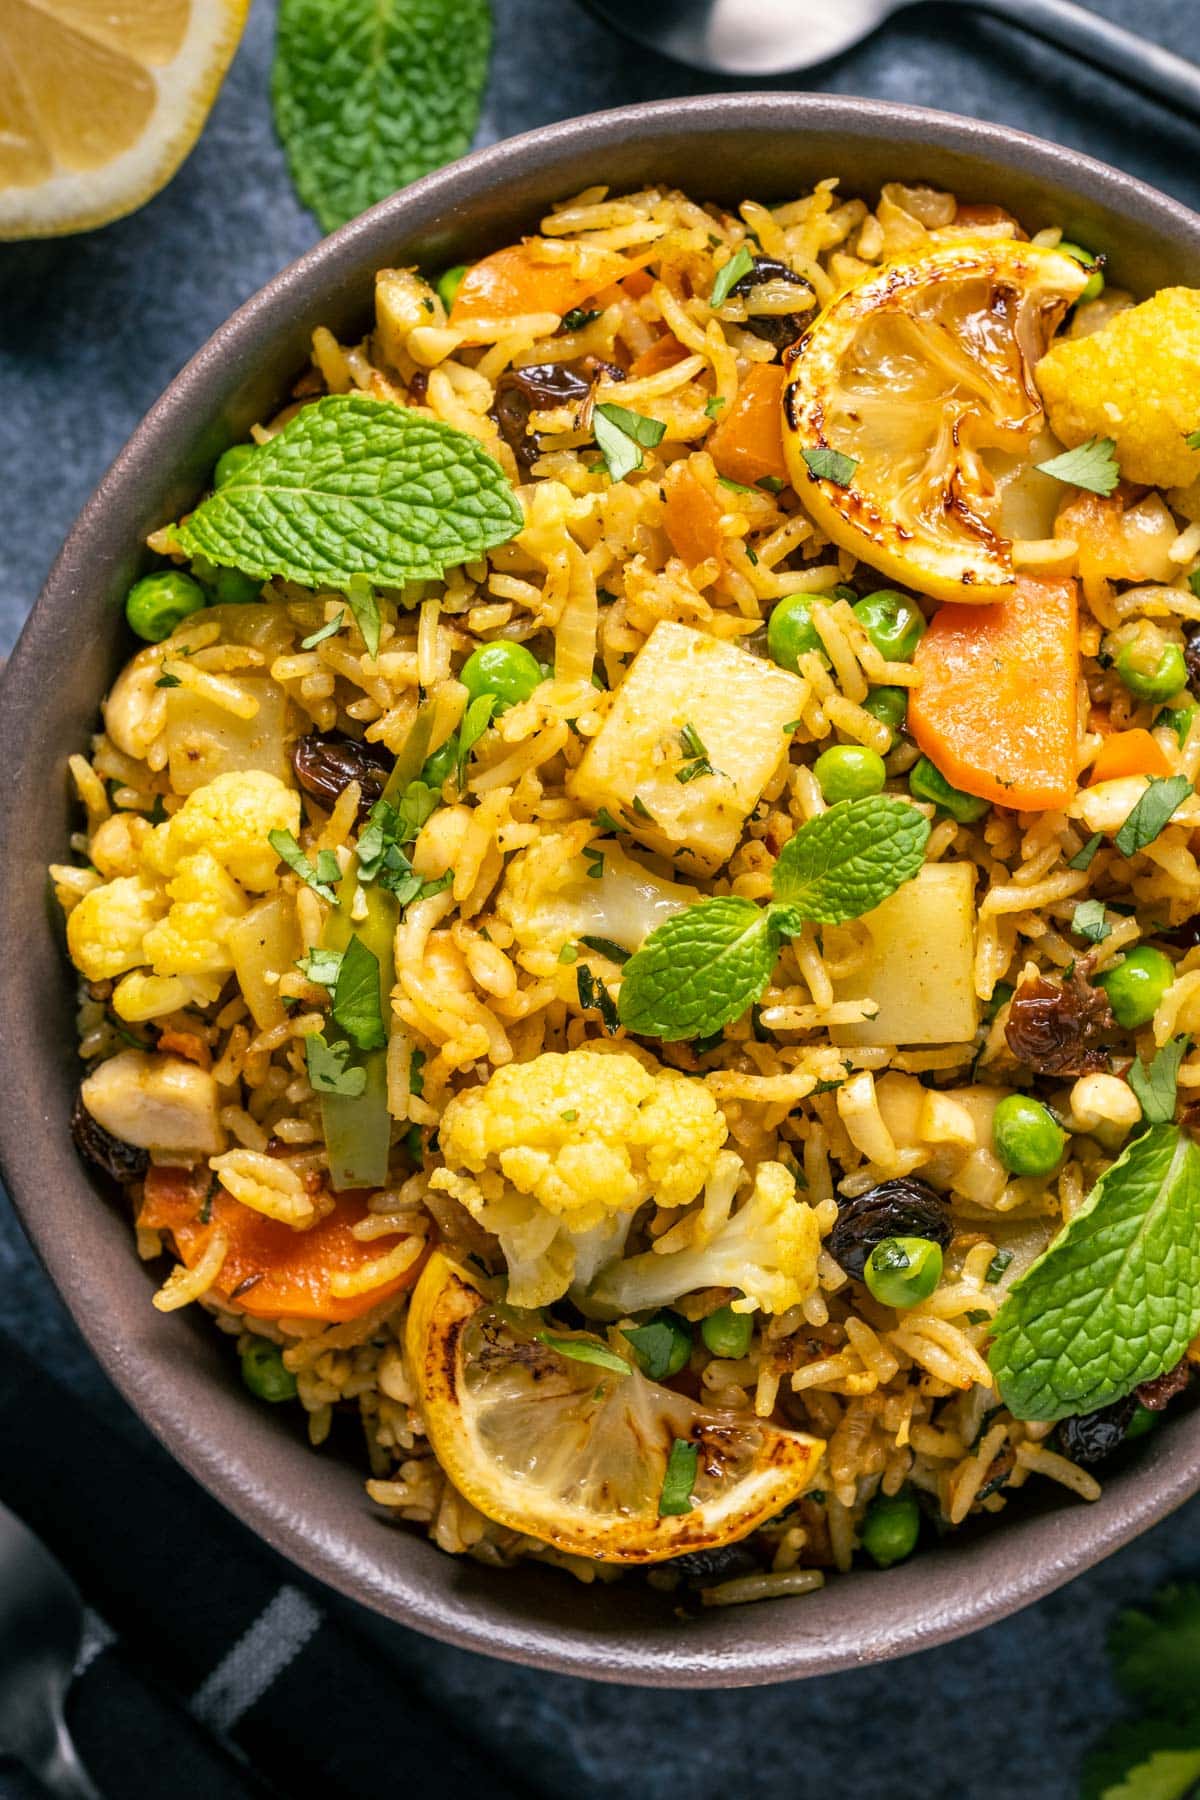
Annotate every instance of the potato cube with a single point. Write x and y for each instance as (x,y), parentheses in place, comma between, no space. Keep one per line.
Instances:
(919,972)
(736,706)
(204,741)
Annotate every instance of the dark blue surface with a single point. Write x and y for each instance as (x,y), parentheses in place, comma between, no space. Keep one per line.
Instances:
(91,329)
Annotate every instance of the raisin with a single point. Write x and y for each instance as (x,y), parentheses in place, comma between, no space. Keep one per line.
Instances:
(124,1162)
(1185,936)
(1091,1437)
(701,1567)
(534,388)
(1055,1027)
(1159,1393)
(779,329)
(903,1208)
(327,761)
(1191,655)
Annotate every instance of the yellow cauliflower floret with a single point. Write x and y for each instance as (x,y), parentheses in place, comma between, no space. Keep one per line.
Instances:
(230,817)
(585,1133)
(106,930)
(193,939)
(1137,381)
(565,1149)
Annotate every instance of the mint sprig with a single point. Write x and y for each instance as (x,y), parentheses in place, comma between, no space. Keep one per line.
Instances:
(355,487)
(704,966)
(371,94)
(1115,1300)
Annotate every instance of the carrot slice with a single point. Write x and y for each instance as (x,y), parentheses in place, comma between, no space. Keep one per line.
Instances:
(663,353)
(270,1270)
(692,518)
(748,443)
(1129,753)
(509,283)
(996,706)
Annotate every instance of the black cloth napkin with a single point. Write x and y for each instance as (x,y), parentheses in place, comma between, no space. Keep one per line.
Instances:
(210,1667)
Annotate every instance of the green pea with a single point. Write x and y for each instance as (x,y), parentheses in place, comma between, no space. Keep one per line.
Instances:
(1179,720)
(891,1528)
(849,772)
(791,633)
(231,587)
(1025,1137)
(263,1371)
(890,706)
(1143,1420)
(507,670)
(1002,993)
(894,623)
(156,604)
(901,1271)
(1095,285)
(841,592)
(1136,985)
(925,782)
(1163,681)
(440,764)
(449,284)
(727,1333)
(662,1347)
(232,463)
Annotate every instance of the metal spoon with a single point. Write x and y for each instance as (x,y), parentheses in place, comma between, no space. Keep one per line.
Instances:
(771,37)
(41,1625)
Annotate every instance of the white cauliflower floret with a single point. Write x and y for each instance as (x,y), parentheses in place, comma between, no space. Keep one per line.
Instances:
(231,817)
(768,1250)
(556,1155)
(106,930)
(193,939)
(550,897)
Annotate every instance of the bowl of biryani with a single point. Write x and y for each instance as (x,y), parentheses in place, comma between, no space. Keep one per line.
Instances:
(613,1033)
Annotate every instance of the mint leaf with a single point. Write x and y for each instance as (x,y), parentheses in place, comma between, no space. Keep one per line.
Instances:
(1155,1086)
(1152,812)
(327,630)
(728,277)
(353,486)
(357,1005)
(679,1478)
(1092,466)
(1192,440)
(1089,921)
(847,860)
(1155,1652)
(365,607)
(585,1350)
(371,94)
(476,720)
(284,844)
(1115,1300)
(619,433)
(830,465)
(699,969)
(1082,859)
(606,947)
(327,1068)
(654,1346)
(1143,1759)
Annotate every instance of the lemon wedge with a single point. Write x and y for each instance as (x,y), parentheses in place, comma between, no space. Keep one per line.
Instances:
(99,104)
(912,378)
(576,1453)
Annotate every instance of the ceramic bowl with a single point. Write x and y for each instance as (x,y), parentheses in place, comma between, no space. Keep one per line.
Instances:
(176,1371)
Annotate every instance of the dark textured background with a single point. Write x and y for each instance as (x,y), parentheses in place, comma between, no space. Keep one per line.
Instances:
(91,329)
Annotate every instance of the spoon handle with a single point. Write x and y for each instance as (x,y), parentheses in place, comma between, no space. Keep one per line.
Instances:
(1158,72)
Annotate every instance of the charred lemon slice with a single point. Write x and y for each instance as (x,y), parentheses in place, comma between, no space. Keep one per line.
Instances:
(900,391)
(577,1453)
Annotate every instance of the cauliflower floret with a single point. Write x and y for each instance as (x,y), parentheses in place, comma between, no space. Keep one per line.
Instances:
(156,1102)
(193,939)
(549,897)
(1133,381)
(564,1149)
(230,817)
(768,1250)
(106,930)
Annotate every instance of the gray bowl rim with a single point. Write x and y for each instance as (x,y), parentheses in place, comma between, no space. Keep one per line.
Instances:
(855,1621)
